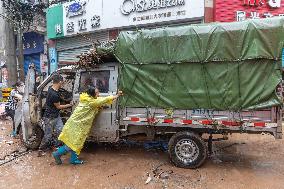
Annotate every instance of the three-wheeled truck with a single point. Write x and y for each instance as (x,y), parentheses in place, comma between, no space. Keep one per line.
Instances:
(181,84)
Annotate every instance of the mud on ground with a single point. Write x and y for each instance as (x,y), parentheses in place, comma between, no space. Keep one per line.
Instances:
(244,161)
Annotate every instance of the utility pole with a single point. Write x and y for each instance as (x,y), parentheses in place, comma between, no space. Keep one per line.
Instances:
(20,66)
(8,50)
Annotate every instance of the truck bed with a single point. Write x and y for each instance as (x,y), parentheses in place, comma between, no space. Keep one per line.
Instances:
(257,121)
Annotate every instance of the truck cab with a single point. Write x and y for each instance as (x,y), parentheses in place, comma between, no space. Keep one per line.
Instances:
(104,77)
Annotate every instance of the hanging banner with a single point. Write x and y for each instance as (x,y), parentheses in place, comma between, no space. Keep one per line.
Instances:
(53,64)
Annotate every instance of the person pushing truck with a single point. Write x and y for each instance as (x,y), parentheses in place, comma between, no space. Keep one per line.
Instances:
(78,126)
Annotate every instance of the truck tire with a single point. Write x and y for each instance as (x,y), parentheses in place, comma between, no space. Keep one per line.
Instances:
(187,150)
(34,141)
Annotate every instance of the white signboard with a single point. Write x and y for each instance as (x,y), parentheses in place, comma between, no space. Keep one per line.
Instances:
(91,15)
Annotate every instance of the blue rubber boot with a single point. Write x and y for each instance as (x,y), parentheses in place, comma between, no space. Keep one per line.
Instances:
(13,134)
(74,159)
(57,154)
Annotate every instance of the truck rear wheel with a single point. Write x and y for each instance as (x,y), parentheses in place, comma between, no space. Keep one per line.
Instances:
(187,150)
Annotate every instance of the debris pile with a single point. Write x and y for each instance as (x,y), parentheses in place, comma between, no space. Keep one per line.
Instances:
(99,53)
(13,156)
(89,59)
(158,175)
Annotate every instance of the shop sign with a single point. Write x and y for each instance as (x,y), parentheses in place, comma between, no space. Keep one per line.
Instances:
(54,18)
(33,43)
(243,15)
(131,6)
(82,16)
(238,10)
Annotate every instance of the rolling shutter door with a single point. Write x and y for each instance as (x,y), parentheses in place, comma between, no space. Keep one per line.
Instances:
(70,47)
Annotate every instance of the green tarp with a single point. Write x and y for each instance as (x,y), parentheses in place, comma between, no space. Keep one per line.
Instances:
(224,66)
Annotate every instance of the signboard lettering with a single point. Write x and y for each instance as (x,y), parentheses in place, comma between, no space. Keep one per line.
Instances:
(95,21)
(254,15)
(70,27)
(274,3)
(241,15)
(58,29)
(130,6)
(253,2)
(82,24)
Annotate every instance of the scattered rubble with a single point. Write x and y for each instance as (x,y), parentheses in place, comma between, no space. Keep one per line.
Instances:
(149,178)
(13,156)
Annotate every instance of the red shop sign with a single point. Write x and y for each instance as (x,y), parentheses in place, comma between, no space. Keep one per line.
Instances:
(237,10)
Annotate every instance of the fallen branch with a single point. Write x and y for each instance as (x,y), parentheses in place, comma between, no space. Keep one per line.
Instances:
(15,157)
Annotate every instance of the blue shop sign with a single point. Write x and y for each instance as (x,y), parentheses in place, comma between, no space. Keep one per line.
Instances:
(33,43)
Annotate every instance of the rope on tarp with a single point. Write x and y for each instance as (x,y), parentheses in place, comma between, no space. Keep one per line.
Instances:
(131,88)
(162,87)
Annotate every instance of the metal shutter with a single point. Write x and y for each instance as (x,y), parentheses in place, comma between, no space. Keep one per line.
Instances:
(70,47)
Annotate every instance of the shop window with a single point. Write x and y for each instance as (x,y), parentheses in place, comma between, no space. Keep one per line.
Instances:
(98,79)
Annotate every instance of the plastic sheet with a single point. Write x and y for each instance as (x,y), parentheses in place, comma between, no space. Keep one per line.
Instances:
(222,66)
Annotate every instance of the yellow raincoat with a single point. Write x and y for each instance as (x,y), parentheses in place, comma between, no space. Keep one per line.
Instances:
(78,126)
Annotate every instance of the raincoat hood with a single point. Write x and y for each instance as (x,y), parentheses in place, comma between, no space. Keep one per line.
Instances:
(84,98)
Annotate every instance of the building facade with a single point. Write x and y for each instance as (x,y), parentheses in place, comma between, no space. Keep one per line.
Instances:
(74,26)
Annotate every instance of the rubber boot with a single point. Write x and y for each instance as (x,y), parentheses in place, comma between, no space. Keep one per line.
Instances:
(74,159)
(13,134)
(57,154)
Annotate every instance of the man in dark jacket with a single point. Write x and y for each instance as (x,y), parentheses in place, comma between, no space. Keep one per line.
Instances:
(52,121)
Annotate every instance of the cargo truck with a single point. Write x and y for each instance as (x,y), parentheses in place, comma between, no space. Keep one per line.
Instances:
(182,84)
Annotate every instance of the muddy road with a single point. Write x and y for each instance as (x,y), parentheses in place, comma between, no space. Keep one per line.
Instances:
(244,161)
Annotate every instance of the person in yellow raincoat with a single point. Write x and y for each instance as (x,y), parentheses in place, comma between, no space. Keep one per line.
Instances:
(78,126)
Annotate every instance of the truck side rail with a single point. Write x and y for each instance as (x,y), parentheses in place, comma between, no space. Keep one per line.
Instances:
(256,121)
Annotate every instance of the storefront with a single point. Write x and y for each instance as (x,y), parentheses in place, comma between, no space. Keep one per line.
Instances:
(33,45)
(76,25)
(238,10)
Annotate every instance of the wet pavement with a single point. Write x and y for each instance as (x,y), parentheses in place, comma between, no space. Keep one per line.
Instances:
(244,161)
